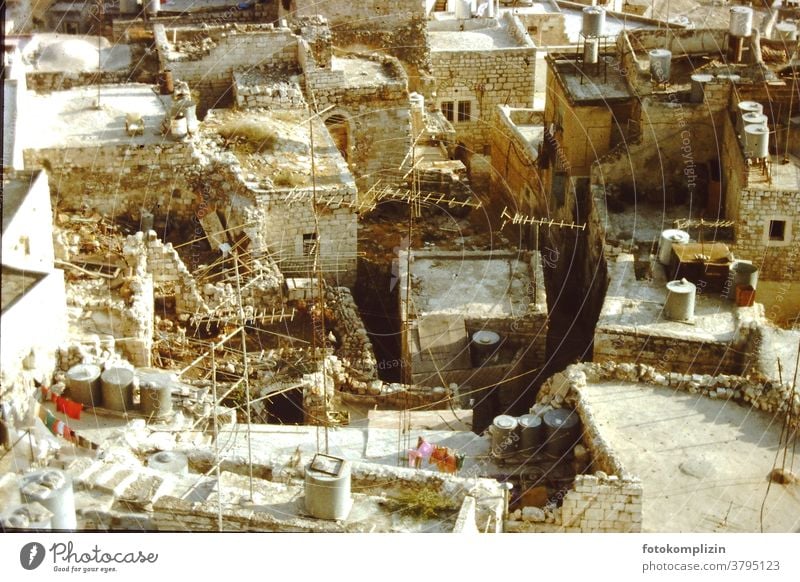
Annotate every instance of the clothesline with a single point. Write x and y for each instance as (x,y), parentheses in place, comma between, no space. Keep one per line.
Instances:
(56,426)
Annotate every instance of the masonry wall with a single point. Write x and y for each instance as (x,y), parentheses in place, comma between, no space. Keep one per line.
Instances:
(377,118)
(211,73)
(46,82)
(486,79)
(117,180)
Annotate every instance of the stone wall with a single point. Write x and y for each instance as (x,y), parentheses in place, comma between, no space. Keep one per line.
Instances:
(376,116)
(270,95)
(546,29)
(219,52)
(47,82)
(486,79)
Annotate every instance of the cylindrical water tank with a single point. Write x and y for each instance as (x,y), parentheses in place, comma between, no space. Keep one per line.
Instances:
(153,6)
(83,383)
(741,22)
(327,487)
(591,51)
(169,462)
(680,300)
(668,238)
(484,345)
(128,7)
(785,31)
(531,432)
(178,127)
(155,399)
(660,64)
(745,107)
(505,440)
(118,389)
(53,489)
(754,118)
(166,82)
(698,88)
(756,140)
(417,103)
(594,21)
(29,516)
(562,427)
(744,274)
(463,9)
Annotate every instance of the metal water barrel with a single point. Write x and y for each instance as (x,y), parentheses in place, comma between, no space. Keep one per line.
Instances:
(83,383)
(169,462)
(591,51)
(746,107)
(785,31)
(153,7)
(744,274)
(118,389)
(53,489)
(155,400)
(562,427)
(31,516)
(680,300)
(327,487)
(484,345)
(505,440)
(753,118)
(756,141)
(594,21)
(166,82)
(668,238)
(741,21)
(463,9)
(531,432)
(660,64)
(698,88)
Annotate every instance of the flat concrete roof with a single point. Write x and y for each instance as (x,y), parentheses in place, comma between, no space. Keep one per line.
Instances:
(591,83)
(291,150)
(703,463)
(782,176)
(50,52)
(475,284)
(361,72)
(71,119)
(638,305)
(481,39)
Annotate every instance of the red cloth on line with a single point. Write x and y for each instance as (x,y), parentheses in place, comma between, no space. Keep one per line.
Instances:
(60,404)
(73,409)
(68,434)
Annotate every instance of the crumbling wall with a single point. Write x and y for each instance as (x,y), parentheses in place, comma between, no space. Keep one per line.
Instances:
(546,29)
(270,94)
(210,70)
(356,348)
(47,82)
(376,114)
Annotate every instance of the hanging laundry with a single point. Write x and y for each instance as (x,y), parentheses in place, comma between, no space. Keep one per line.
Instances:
(73,409)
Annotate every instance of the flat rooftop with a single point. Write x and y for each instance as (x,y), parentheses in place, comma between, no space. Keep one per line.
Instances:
(473,284)
(482,39)
(703,463)
(50,52)
(782,176)
(362,72)
(590,83)
(638,306)
(276,145)
(71,118)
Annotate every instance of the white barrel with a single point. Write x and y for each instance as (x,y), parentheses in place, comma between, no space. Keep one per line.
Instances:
(668,238)
(28,516)
(327,487)
(660,64)
(594,21)
(153,6)
(52,488)
(169,462)
(754,118)
(741,22)
(591,51)
(785,31)
(680,300)
(746,107)
(698,87)
(463,9)
(505,438)
(756,139)
(179,127)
